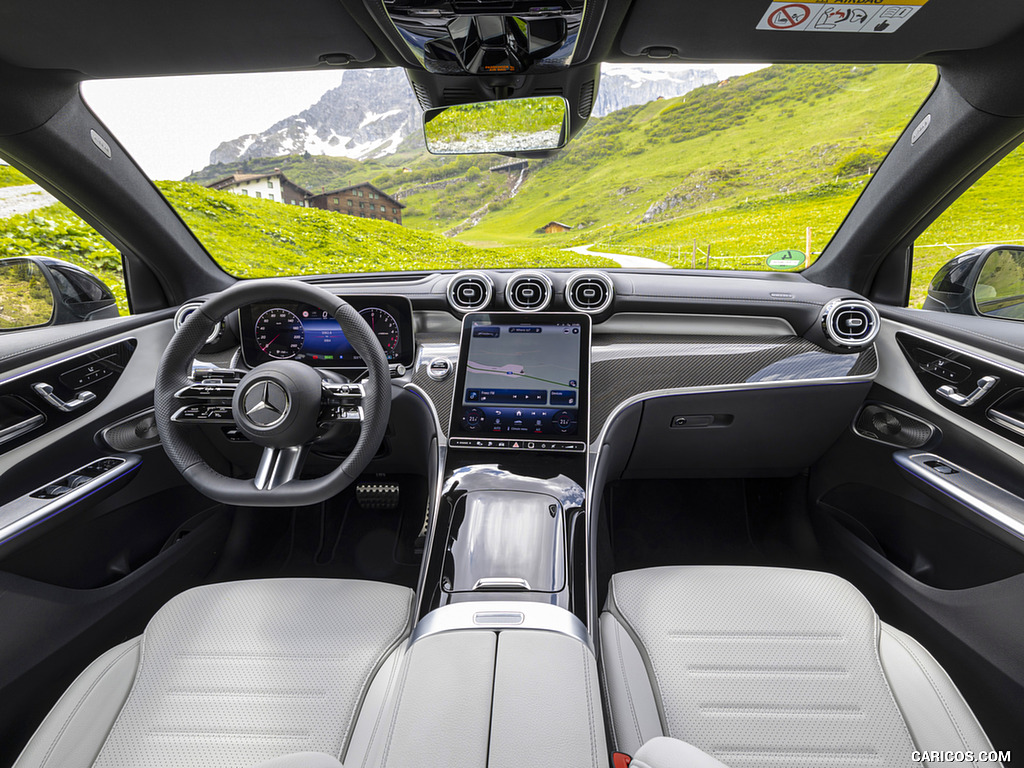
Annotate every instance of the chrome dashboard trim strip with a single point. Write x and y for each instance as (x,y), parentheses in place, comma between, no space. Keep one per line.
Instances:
(671,324)
(502,615)
(45,509)
(1003,508)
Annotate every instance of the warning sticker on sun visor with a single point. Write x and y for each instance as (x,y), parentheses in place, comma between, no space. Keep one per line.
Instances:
(870,16)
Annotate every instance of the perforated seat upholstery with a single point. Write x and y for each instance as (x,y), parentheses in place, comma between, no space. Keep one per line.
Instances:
(772,667)
(230,675)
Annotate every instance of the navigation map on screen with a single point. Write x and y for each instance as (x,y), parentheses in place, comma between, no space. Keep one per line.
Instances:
(522,379)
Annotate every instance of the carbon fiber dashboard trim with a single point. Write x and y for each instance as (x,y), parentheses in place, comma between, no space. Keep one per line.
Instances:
(438,391)
(622,368)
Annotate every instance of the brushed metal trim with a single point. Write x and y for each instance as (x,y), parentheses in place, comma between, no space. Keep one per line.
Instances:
(966,494)
(46,509)
(21,428)
(671,324)
(502,615)
(1007,422)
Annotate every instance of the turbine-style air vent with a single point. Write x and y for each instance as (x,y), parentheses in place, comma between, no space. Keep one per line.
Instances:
(589,292)
(182,315)
(528,291)
(470,291)
(850,322)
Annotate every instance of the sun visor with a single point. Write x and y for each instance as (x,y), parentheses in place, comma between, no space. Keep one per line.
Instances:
(810,31)
(122,38)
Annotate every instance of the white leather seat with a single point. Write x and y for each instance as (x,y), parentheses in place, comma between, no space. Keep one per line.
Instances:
(232,675)
(771,667)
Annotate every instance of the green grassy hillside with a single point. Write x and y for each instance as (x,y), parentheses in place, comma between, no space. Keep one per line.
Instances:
(11,177)
(797,128)
(259,238)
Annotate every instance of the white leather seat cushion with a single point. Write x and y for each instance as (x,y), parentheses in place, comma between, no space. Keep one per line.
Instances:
(232,675)
(769,667)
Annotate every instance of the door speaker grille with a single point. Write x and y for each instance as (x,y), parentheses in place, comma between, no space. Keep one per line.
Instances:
(892,426)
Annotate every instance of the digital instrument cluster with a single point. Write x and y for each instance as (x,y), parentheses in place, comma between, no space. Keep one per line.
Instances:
(294,331)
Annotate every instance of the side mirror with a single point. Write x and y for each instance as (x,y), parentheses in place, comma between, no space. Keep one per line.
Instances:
(492,127)
(999,288)
(26,299)
(37,290)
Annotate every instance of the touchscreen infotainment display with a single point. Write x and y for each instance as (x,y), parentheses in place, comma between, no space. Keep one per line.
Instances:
(522,377)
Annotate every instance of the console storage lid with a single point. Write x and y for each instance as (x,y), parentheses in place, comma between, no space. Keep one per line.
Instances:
(502,697)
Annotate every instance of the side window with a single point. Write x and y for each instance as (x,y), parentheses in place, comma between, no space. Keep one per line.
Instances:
(54,267)
(971,259)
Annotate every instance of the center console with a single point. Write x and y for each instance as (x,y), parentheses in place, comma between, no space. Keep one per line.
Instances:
(510,520)
(501,669)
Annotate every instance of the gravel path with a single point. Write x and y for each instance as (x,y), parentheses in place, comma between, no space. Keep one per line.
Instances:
(631,262)
(15,200)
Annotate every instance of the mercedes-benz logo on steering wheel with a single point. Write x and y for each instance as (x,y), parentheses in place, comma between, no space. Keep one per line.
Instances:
(265,403)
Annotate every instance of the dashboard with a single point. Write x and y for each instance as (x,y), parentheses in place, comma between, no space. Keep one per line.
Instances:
(294,331)
(695,372)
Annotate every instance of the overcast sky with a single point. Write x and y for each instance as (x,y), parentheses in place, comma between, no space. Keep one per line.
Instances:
(171,124)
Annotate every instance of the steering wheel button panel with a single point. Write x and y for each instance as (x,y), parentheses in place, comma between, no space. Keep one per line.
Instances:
(281,405)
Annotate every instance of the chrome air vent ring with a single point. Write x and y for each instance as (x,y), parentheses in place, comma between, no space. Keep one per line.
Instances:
(528,291)
(850,322)
(589,292)
(470,291)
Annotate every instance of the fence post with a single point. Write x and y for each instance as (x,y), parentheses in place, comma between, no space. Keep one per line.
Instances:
(693,263)
(707,259)
(807,252)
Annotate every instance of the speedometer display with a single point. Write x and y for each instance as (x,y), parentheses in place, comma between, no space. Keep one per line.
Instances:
(284,330)
(279,334)
(384,327)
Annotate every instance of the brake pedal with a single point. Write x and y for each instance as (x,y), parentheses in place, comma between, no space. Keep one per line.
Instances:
(377,495)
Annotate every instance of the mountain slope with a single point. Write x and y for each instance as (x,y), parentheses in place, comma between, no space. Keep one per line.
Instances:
(782,129)
(627,85)
(372,112)
(366,116)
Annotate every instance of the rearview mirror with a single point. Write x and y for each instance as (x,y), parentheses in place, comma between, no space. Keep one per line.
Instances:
(487,127)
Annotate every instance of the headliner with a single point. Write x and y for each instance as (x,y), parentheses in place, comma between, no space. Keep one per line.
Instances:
(124,38)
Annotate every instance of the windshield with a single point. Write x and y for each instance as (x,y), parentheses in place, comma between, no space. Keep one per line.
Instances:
(706,167)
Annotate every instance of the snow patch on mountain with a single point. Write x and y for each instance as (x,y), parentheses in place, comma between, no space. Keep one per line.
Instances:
(374,110)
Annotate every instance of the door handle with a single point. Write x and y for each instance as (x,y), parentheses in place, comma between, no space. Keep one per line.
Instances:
(46,392)
(985,383)
(17,430)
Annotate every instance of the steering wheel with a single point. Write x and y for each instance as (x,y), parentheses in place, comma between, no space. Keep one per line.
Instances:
(282,405)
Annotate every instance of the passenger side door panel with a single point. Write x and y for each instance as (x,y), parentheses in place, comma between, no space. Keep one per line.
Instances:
(921,502)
